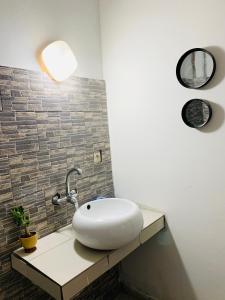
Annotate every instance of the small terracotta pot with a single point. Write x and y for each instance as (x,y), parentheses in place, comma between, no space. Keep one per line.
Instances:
(29,243)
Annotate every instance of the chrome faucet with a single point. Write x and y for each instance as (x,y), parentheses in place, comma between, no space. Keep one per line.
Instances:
(71,195)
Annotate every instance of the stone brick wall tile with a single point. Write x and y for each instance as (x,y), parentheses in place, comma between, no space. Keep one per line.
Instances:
(46,128)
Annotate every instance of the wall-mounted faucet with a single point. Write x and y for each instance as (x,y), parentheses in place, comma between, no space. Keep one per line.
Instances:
(71,195)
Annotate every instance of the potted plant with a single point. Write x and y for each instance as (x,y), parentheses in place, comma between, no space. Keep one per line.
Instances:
(28,239)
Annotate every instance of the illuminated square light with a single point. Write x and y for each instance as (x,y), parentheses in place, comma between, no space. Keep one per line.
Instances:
(59,60)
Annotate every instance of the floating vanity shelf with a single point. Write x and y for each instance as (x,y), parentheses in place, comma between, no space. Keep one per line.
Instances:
(63,267)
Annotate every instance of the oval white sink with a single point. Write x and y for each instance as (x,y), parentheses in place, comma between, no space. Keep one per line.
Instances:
(108,223)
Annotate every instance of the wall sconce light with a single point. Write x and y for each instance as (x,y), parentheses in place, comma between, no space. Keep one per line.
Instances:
(59,60)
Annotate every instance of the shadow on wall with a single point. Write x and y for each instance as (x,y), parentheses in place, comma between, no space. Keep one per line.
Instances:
(219,55)
(218,116)
(156,269)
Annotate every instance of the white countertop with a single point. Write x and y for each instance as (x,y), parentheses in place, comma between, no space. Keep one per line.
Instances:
(61,258)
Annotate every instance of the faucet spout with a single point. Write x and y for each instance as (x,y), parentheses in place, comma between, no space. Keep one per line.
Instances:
(73,170)
(71,195)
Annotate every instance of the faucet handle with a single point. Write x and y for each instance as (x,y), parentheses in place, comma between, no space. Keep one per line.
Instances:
(73,195)
(57,200)
(73,192)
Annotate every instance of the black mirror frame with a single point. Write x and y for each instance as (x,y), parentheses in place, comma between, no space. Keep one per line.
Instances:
(179,64)
(184,109)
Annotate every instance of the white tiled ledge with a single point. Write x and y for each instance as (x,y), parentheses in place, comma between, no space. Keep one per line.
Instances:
(62,266)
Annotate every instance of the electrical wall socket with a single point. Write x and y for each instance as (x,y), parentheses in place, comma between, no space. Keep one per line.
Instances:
(98,156)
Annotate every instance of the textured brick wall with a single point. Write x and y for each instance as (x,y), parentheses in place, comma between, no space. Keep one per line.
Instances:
(45,129)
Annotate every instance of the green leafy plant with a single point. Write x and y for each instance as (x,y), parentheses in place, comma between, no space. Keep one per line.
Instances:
(21,219)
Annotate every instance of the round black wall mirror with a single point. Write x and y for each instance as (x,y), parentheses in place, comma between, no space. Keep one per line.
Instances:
(195,68)
(196,113)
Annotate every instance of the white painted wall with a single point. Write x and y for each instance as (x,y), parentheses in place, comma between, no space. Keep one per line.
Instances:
(157,159)
(28,25)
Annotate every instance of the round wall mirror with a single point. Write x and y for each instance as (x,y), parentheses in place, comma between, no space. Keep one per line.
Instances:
(195,68)
(196,113)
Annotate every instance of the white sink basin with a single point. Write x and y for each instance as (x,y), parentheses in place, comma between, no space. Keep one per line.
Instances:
(108,223)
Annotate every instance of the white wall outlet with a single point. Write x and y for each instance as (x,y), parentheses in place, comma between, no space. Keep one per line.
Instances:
(98,156)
